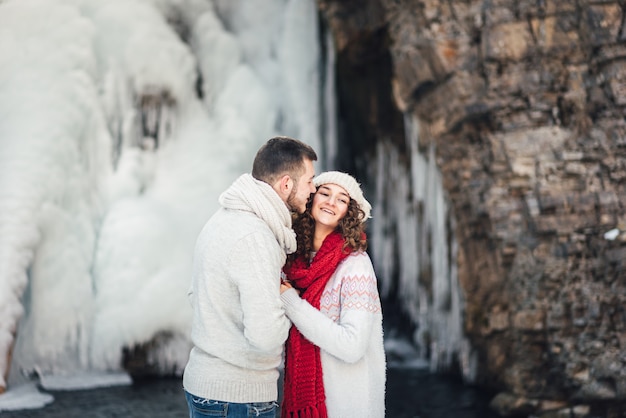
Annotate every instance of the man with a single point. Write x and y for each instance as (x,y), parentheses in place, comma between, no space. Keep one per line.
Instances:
(239,324)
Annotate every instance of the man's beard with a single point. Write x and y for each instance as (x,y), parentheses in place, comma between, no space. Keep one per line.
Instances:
(292,204)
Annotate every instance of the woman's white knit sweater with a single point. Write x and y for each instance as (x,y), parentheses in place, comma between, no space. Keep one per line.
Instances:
(348,329)
(239,324)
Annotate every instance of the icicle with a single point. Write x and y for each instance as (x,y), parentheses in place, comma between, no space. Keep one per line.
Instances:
(330,105)
(410,241)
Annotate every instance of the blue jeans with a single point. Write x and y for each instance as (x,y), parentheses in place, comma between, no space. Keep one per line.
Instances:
(202,408)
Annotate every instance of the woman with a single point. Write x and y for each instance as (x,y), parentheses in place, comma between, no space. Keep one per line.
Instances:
(335,361)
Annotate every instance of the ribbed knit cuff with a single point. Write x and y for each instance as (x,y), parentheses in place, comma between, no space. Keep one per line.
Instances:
(290,299)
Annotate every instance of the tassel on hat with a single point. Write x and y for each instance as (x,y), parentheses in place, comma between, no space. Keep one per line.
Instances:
(349,184)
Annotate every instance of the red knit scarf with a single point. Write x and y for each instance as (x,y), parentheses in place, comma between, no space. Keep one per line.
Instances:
(304,395)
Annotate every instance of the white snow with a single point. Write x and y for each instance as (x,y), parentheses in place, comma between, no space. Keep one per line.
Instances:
(24,396)
(85,380)
(611,234)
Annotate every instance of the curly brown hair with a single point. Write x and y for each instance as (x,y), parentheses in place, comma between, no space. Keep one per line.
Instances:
(350,226)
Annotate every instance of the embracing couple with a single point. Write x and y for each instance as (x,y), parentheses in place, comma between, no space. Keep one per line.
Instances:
(282,265)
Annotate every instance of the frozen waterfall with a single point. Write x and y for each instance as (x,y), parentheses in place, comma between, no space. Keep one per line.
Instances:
(121,123)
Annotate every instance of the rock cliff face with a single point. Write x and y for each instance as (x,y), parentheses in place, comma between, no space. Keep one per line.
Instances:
(525,104)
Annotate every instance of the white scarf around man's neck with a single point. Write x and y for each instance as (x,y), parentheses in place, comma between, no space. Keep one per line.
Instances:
(252,195)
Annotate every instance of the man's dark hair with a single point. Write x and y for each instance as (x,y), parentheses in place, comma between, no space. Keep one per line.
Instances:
(279,156)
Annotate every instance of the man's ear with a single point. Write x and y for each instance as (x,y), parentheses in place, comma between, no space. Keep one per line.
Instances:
(283,186)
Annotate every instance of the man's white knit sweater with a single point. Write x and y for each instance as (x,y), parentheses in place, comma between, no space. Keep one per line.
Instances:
(239,323)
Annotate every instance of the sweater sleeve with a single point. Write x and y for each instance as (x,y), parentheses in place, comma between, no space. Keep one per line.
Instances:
(256,270)
(346,338)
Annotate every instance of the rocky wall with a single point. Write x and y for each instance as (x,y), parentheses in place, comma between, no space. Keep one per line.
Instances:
(525,102)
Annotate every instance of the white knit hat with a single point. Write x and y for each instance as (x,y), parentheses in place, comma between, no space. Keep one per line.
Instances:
(350,184)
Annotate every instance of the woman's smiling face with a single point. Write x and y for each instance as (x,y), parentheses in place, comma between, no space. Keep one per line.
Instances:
(330,205)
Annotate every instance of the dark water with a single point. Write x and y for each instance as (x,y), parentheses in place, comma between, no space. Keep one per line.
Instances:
(410,393)
(417,393)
